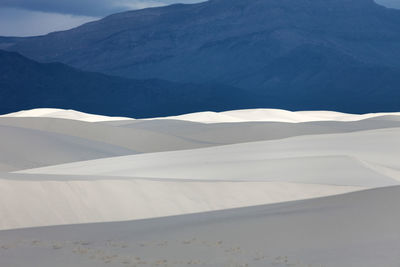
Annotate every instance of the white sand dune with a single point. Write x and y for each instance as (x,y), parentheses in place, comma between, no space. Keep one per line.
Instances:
(146,136)
(138,140)
(344,159)
(56,200)
(239,132)
(221,177)
(244,115)
(22,148)
(119,169)
(353,230)
(62,114)
(143,136)
(272,115)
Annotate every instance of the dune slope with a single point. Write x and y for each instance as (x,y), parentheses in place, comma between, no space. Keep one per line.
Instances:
(331,158)
(54,200)
(357,229)
(23,148)
(122,170)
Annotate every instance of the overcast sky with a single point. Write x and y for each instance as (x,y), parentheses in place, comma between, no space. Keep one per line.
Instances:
(37,17)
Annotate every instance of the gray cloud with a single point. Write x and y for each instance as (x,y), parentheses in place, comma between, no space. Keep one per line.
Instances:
(38,17)
(17,22)
(100,8)
(389,3)
(97,8)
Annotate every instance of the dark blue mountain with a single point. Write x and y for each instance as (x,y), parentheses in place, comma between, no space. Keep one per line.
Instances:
(296,54)
(26,84)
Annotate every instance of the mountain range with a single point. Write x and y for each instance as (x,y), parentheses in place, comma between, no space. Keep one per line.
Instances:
(26,84)
(305,54)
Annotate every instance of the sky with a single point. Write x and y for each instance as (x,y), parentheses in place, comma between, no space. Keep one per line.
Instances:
(38,17)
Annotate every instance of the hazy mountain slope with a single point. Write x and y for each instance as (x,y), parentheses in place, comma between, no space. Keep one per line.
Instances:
(26,84)
(8,41)
(268,26)
(295,50)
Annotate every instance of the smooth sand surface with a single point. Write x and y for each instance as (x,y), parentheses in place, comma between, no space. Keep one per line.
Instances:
(143,136)
(54,200)
(231,133)
(244,115)
(138,140)
(120,169)
(180,182)
(276,115)
(22,148)
(353,230)
(339,159)
(62,114)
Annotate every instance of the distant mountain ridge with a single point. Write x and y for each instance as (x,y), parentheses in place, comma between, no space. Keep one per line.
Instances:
(26,84)
(138,44)
(306,54)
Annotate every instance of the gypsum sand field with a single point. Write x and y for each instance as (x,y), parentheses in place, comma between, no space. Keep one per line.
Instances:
(320,158)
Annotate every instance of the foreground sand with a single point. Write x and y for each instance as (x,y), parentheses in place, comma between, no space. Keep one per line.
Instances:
(60,170)
(358,229)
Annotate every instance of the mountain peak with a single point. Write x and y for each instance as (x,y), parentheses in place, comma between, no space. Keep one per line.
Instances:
(306,48)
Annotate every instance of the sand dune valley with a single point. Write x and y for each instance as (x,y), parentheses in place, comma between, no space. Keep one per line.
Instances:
(257,187)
